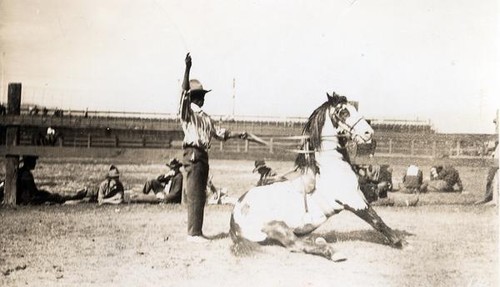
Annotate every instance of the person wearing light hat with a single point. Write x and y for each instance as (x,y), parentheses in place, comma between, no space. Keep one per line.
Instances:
(27,191)
(111,190)
(267,175)
(199,130)
(167,187)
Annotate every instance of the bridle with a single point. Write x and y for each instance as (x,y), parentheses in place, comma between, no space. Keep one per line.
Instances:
(342,124)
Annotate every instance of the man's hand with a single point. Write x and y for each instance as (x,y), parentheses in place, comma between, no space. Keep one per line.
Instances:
(188,61)
(243,135)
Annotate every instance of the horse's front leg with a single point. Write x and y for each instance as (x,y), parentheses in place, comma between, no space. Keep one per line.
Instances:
(280,232)
(371,217)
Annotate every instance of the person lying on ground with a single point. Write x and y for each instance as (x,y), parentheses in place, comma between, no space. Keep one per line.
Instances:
(28,192)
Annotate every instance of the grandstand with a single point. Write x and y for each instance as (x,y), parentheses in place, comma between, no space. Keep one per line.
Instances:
(80,129)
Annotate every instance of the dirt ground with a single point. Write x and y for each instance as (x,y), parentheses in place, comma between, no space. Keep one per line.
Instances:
(451,241)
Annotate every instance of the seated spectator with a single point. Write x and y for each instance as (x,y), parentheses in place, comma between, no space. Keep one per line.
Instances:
(374,180)
(444,179)
(27,191)
(167,187)
(218,195)
(267,175)
(111,189)
(50,136)
(413,180)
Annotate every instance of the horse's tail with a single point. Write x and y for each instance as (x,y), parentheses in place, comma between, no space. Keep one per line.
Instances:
(241,246)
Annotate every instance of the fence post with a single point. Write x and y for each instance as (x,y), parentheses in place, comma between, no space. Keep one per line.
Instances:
(390,146)
(12,139)
(412,147)
(89,141)
(221,146)
(246,145)
(458,147)
(117,143)
(434,147)
(271,145)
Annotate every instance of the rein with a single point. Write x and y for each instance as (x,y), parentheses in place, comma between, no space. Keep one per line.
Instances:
(253,138)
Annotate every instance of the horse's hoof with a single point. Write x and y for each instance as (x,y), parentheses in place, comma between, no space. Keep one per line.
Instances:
(400,244)
(320,241)
(338,257)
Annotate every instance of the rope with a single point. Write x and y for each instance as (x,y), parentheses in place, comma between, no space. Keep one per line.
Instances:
(253,138)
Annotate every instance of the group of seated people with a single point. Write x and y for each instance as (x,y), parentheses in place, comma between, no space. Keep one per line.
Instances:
(441,179)
(110,191)
(376,180)
(166,188)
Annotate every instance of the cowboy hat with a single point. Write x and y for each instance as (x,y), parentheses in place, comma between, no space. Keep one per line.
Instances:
(196,87)
(27,158)
(174,163)
(113,172)
(259,164)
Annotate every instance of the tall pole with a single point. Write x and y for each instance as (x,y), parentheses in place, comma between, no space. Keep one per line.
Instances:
(234,95)
(12,139)
(2,76)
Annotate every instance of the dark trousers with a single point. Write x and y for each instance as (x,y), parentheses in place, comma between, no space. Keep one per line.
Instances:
(195,162)
(42,196)
(488,196)
(153,184)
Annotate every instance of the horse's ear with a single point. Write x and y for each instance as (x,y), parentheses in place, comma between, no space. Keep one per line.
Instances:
(333,99)
(343,100)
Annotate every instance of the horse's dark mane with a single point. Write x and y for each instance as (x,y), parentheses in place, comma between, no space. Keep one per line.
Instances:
(312,129)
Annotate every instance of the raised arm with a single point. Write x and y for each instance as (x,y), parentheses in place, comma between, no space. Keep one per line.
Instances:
(185,97)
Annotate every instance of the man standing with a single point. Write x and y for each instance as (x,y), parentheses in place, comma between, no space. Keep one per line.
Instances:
(198,131)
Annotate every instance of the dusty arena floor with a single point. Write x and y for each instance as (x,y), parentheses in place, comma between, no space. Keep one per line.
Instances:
(451,242)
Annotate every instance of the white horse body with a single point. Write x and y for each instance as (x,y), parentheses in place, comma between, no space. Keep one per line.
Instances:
(285,201)
(284,210)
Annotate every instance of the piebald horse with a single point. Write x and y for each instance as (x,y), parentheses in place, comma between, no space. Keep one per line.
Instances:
(285,212)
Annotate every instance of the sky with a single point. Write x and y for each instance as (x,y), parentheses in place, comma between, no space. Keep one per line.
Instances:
(400,59)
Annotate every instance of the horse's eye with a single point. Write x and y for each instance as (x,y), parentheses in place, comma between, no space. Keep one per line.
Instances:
(344,114)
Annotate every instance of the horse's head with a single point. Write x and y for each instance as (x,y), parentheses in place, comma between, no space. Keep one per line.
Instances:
(348,119)
(346,123)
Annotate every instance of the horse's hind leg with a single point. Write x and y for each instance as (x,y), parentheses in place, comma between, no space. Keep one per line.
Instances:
(280,232)
(371,217)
